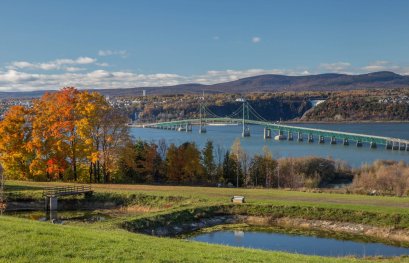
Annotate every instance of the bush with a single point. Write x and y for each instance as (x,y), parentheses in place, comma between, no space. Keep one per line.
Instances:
(383,177)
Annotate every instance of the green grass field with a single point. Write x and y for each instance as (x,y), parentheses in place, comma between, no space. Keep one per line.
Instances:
(23,240)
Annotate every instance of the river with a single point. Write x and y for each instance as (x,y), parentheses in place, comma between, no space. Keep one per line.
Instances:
(224,136)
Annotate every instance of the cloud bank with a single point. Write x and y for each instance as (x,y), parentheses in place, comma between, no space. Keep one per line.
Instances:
(88,73)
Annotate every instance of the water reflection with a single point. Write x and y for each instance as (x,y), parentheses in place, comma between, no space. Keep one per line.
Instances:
(309,245)
(60,217)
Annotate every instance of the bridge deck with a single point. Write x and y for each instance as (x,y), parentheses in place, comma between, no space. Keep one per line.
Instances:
(66,190)
(289,128)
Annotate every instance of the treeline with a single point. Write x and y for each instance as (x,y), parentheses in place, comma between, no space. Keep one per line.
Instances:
(392,105)
(67,135)
(144,162)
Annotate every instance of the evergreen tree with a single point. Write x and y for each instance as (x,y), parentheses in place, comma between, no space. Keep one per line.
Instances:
(208,162)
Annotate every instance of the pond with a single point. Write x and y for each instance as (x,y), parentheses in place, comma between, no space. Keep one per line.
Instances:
(61,217)
(300,244)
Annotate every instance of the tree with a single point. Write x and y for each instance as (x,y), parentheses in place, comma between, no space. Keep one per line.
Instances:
(65,134)
(241,158)
(92,107)
(173,164)
(56,141)
(192,168)
(140,162)
(183,163)
(269,166)
(114,135)
(15,134)
(208,162)
(2,195)
(230,169)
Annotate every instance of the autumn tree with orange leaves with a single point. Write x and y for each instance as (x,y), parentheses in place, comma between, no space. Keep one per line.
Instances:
(67,135)
(15,134)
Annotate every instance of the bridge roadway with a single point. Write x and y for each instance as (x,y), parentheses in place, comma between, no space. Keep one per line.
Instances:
(372,140)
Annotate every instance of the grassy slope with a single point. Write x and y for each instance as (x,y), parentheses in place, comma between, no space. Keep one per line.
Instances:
(29,241)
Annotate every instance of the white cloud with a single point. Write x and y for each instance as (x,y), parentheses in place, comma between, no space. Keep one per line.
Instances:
(99,74)
(256,40)
(13,76)
(74,69)
(105,53)
(103,64)
(52,65)
(337,67)
(382,65)
(20,75)
(15,80)
(84,60)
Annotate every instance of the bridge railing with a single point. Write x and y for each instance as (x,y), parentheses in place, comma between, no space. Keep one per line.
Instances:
(66,190)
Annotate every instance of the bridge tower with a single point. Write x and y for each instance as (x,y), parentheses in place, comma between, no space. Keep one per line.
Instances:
(246,129)
(202,113)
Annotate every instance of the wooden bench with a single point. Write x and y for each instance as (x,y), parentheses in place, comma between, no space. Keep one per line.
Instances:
(238,199)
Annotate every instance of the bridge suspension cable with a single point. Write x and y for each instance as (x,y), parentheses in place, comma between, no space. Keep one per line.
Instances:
(256,114)
(236,113)
(209,112)
(249,110)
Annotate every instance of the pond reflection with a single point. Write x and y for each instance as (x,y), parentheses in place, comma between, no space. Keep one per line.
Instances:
(301,244)
(60,217)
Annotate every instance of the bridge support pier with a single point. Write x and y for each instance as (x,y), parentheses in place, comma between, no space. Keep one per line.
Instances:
(346,141)
(290,136)
(202,129)
(246,132)
(333,140)
(267,133)
(321,139)
(280,136)
(188,127)
(358,144)
(402,146)
(395,146)
(299,137)
(51,203)
(407,147)
(310,138)
(389,145)
(373,145)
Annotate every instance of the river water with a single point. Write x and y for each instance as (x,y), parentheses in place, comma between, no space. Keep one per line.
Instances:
(224,136)
(301,244)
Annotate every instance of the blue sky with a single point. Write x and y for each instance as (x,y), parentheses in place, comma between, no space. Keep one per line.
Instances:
(113,44)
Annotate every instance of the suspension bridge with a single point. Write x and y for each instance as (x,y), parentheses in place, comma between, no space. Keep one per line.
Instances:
(246,116)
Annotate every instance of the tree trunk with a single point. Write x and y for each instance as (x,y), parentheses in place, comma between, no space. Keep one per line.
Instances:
(90,172)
